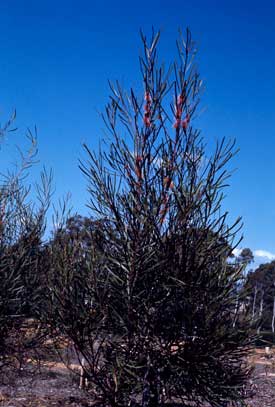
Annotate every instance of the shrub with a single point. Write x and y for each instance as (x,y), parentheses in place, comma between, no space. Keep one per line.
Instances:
(21,230)
(153,310)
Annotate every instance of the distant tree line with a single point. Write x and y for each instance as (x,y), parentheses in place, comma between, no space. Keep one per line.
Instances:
(260,284)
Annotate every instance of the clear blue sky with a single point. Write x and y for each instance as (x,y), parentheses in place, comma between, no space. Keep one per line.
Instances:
(56,58)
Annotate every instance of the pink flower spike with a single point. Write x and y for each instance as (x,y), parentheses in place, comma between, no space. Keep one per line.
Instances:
(180,100)
(147,121)
(177,124)
(186,122)
(147,97)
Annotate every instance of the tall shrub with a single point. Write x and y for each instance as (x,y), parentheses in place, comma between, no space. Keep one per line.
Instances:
(159,321)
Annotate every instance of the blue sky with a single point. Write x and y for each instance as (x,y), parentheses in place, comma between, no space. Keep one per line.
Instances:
(56,58)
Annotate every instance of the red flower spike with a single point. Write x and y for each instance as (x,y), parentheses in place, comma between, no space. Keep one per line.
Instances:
(168,183)
(147,97)
(186,122)
(178,113)
(138,169)
(179,107)
(177,124)
(180,100)
(146,121)
(147,107)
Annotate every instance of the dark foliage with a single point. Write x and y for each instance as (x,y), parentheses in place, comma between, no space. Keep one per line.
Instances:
(21,230)
(150,302)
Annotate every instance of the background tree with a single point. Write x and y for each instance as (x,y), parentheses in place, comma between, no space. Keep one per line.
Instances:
(260,285)
(245,257)
(242,260)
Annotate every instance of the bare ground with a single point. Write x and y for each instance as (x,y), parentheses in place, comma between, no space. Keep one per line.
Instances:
(49,383)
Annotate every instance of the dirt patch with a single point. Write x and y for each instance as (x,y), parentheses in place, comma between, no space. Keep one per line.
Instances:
(49,383)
